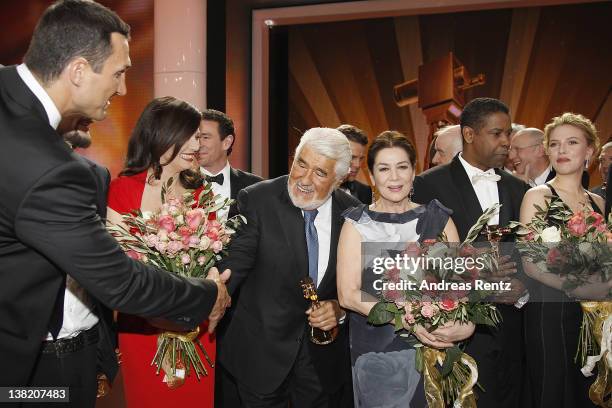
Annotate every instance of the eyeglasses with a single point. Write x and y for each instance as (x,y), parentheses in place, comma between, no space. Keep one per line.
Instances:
(517,149)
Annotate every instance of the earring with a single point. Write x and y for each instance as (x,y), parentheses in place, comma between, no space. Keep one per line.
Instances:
(586,164)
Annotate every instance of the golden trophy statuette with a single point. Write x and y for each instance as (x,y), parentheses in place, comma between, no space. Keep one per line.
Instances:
(317,336)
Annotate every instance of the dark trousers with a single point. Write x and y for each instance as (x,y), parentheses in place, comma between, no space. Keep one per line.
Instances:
(301,388)
(74,368)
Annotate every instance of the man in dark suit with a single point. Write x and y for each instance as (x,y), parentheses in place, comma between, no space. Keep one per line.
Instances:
(359,142)
(49,225)
(75,131)
(468,185)
(217,137)
(605,159)
(292,231)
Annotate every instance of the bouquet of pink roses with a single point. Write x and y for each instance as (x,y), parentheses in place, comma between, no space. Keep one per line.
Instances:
(185,238)
(440,290)
(575,247)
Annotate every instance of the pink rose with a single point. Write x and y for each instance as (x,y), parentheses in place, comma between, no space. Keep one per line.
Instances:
(413,250)
(577,225)
(134,255)
(174,247)
(184,231)
(217,246)
(151,240)
(194,241)
(166,222)
(393,295)
(201,260)
(554,257)
(161,246)
(212,233)
(194,217)
(185,259)
(597,218)
(448,304)
(427,311)
(409,317)
(393,275)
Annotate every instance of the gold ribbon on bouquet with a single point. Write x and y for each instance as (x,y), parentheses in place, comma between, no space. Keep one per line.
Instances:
(458,384)
(596,333)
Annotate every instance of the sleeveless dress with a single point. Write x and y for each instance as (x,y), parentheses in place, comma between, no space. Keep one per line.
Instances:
(383,365)
(552,327)
(138,339)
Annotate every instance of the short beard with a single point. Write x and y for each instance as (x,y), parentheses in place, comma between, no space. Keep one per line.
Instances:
(311,205)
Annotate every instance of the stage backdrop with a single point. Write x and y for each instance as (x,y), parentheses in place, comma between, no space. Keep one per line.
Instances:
(18,18)
(542,61)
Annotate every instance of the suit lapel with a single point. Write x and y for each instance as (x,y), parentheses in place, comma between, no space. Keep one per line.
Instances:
(467,196)
(234,180)
(291,220)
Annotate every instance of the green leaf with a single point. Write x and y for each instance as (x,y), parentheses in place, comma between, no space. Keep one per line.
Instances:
(379,314)
(453,355)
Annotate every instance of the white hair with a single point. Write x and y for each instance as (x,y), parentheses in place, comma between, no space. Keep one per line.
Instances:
(330,143)
(606,146)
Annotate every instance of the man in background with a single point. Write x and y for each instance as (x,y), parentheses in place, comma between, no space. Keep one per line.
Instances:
(447,144)
(529,158)
(216,141)
(359,142)
(605,158)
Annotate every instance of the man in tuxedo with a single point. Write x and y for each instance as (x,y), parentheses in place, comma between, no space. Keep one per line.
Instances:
(605,159)
(49,223)
(469,184)
(292,231)
(216,142)
(447,144)
(359,142)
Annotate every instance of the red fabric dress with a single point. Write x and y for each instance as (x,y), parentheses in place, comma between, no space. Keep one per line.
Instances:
(138,340)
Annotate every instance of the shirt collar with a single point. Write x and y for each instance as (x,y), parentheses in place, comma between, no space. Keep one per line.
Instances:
(53,114)
(471,170)
(324,210)
(541,179)
(225,171)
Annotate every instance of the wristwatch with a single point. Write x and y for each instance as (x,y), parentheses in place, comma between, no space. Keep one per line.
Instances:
(342,319)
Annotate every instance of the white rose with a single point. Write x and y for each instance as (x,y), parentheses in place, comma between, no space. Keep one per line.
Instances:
(550,234)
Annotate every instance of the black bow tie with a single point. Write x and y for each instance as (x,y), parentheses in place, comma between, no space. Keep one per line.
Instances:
(215,179)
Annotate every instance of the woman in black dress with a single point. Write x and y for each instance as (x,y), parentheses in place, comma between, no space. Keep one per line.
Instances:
(553,317)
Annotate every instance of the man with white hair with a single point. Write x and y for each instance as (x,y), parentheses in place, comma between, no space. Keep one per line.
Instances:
(529,157)
(292,230)
(448,143)
(605,159)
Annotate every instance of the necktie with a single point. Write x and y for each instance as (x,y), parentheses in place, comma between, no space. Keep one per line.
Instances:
(57,313)
(486,176)
(215,179)
(312,242)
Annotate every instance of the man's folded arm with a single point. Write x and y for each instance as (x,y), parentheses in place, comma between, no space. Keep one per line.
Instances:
(58,218)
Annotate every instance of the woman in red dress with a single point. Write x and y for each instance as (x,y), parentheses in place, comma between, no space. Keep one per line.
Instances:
(163,145)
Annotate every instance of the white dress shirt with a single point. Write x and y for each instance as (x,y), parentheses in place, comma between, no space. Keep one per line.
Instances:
(322,223)
(78,314)
(224,190)
(53,113)
(486,190)
(541,179)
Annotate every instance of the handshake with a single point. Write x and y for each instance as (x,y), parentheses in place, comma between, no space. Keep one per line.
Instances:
(223,298)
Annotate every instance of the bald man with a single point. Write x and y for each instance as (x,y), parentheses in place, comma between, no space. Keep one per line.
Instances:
(529,158)
(448,143)
(605,158)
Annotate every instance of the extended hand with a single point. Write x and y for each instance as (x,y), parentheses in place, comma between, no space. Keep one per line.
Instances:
(429,339)
(223,298)
(595,289)
(452,332)
(326,316)
(517,289)
(505,266)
